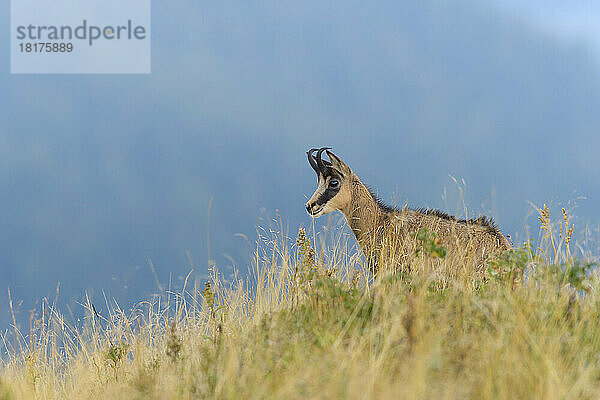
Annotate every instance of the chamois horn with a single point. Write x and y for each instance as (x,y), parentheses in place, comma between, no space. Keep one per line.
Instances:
(320,160)
(312,161)
(317,163)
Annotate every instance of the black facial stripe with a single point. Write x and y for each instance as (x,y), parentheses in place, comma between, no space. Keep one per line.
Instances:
(327,195)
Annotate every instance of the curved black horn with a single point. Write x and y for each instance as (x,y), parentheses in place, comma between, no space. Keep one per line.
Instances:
(319,160)
(312,161)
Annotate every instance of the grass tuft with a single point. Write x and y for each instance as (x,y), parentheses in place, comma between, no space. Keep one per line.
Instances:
(306,326)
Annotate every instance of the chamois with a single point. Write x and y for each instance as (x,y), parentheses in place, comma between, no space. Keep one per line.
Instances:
(387,235)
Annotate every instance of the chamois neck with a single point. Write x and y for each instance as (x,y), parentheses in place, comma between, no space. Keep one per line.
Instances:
(363,213)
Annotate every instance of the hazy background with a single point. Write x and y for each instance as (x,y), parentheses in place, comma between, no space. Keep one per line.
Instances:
(98,174)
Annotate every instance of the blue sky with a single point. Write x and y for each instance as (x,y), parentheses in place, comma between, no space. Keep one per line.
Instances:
(102,172)
(573,20)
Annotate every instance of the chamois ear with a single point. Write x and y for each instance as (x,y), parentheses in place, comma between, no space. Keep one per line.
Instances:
(338,164)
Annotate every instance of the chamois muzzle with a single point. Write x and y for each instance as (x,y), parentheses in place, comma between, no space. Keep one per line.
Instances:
(313,208)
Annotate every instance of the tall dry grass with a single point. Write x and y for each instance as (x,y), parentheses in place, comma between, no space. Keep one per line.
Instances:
(310,322)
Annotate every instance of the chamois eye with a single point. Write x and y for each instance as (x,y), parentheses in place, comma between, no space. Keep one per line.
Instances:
(334,183)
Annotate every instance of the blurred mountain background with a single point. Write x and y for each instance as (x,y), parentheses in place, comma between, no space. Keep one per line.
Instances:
(99,173)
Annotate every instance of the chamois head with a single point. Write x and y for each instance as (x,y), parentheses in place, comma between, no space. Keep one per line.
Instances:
(334,180)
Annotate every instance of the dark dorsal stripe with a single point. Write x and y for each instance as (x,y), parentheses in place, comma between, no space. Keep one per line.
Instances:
(484,221)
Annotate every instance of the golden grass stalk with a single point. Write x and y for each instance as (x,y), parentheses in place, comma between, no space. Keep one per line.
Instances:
(300,328)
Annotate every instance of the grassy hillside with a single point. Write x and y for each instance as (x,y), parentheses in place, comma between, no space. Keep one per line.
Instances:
(311,323)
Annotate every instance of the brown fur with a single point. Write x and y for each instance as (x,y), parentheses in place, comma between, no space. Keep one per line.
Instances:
(387,235)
